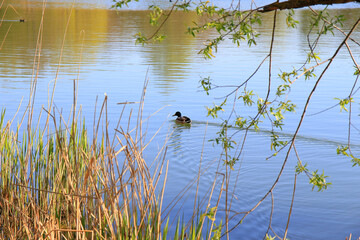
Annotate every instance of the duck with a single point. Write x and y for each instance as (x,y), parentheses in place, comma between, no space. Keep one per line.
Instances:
(181,119)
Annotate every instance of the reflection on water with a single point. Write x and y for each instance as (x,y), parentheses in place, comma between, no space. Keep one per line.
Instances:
(176,141)
(85,4)
(99,46)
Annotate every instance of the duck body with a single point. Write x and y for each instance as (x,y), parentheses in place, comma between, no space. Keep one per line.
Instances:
(181,119)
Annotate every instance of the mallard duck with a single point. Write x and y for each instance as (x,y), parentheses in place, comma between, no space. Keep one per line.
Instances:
(181,119)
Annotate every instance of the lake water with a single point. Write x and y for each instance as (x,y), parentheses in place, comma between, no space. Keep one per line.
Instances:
(111,63)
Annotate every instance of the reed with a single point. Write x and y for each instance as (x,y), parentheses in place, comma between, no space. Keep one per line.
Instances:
(64,185)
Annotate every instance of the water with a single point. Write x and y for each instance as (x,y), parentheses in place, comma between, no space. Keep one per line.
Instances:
(111,63)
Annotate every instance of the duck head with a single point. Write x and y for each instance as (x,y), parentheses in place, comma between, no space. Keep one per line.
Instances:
(178,114)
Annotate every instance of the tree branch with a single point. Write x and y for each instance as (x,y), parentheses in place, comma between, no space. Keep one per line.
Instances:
(301,3)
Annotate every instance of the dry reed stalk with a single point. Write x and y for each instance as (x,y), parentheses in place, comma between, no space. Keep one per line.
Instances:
(53,205)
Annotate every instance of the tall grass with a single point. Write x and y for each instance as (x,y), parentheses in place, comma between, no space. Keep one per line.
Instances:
(63,185)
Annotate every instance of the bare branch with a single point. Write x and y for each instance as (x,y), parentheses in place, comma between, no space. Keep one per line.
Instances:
(301,3)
